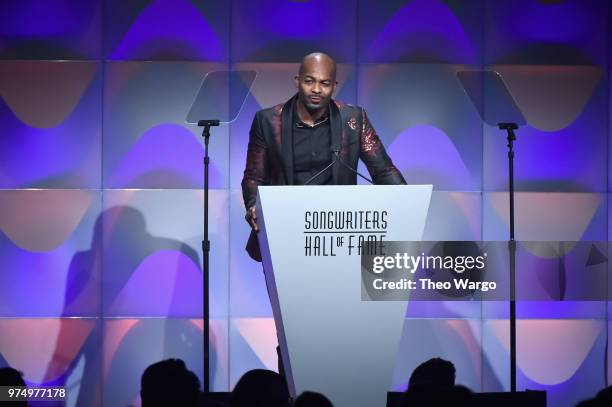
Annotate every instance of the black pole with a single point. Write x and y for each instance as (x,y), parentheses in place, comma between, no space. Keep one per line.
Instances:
(206,124)
(510,127)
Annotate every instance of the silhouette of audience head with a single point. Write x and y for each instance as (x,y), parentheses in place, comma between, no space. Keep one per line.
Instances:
(260,388)
(312,399)
(425,395)
(434,372)
(169,383)
(603,398)
(12,377)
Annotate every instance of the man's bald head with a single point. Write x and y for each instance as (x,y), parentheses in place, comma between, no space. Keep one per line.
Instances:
(319,59)
(316,83)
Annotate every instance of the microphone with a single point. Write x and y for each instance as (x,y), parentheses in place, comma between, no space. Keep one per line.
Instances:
(337,154)
(322,171)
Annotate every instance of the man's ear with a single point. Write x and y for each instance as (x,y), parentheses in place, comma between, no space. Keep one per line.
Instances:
(296,81)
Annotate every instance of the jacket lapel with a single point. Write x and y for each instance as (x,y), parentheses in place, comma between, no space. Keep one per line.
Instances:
(287,140)
(336,128)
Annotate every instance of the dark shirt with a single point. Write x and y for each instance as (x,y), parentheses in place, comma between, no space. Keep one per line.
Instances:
(311,152)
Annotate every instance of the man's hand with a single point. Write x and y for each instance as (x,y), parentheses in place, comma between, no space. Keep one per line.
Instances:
(251,218)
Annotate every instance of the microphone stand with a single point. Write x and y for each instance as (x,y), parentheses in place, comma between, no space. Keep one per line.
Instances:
(510,127)
(206,124)
(337,153)
(336,158)
(321,172)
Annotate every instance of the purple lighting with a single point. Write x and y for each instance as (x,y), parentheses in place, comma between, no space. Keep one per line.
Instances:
(167,154)
(413,150)
(170,26)
(425,26)
(36,18)
(298,20)
(173,284)
(540,20)
(567,32)
(281,30)
(54,141)
(102,198)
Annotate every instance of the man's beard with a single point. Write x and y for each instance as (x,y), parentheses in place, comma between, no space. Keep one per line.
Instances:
(312,108)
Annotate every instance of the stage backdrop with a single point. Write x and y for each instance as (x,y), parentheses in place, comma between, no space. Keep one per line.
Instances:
(101,178)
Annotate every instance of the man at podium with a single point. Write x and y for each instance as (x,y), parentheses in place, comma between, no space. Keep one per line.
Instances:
(311,139)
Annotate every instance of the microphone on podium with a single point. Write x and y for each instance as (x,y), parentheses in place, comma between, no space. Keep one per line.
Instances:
(337,154)
(322,171)
(337,158)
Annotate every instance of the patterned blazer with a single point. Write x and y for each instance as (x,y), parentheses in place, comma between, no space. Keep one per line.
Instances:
(270,152)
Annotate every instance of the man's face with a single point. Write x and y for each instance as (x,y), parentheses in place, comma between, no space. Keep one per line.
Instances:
(316,84)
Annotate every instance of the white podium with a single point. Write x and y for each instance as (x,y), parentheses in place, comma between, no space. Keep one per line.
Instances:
(331,341)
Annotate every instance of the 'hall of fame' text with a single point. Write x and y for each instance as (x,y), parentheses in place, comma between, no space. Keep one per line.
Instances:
(326,233)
